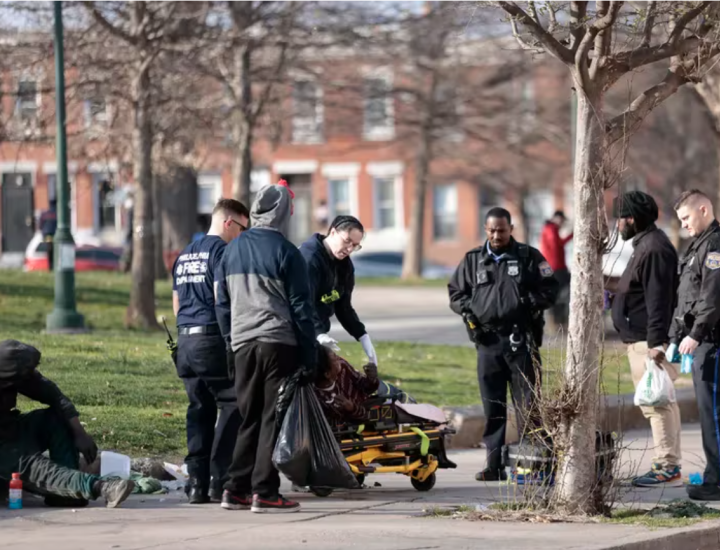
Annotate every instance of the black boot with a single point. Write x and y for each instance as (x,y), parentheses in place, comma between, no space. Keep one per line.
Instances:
(703,492)
(197,491)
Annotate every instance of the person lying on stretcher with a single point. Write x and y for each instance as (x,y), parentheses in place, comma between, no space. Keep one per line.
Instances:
(341,389)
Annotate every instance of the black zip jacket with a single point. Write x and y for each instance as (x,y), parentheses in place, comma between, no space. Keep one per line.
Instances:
(503,290)
(698,309)
(328,274)
(643,305)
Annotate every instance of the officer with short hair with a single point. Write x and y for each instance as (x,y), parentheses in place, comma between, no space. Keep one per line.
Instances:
(201,355)
(501,290)
(695,328)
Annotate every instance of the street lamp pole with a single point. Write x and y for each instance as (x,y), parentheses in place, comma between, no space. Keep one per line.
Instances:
(64,317)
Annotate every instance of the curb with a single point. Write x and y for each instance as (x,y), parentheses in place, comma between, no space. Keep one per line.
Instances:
(697,537)
(617,413)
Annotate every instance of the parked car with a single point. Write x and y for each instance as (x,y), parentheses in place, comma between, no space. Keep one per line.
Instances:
(87,257)
(389,264)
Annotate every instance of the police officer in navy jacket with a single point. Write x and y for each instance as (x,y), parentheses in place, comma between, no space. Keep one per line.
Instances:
(202,360)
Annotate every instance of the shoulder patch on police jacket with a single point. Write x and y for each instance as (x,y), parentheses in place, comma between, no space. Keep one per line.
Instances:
(712,260)
(545,269)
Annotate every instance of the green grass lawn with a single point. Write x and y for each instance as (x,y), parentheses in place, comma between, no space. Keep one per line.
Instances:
(125,386)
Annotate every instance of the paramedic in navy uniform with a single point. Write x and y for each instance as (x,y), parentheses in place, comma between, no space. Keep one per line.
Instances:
(202,359)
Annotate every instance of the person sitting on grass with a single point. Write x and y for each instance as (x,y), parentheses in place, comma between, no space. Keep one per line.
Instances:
(57,429)
(341,389)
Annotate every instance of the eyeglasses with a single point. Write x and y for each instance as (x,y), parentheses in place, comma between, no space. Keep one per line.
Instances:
(241,226)
(348,244)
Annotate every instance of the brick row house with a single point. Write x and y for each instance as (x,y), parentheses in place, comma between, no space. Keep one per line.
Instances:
(337,160)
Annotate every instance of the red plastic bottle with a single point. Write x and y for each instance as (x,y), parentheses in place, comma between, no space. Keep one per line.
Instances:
(15,492)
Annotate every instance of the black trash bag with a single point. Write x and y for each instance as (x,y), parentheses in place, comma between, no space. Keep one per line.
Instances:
(306,451)
(285,396)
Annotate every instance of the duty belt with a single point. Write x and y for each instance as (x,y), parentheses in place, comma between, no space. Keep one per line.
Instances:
(202,329)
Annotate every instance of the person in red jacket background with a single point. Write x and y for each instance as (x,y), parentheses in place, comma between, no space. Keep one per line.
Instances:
(552,246)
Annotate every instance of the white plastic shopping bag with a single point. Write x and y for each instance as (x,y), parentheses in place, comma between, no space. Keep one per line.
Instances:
(655,388)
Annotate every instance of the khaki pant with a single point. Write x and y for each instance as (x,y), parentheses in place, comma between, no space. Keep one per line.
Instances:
(664,421)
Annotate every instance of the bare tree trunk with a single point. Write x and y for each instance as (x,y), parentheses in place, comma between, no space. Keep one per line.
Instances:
(412,262)
(160,269)
(242,131)
(141,312)
(576,483)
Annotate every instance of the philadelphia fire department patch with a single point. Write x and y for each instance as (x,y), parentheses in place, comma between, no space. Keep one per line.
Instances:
(712,260)
(545,269)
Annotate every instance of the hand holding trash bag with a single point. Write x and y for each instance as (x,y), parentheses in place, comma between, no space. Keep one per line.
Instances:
(306,451)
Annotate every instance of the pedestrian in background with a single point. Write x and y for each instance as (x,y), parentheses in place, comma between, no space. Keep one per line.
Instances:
(332,281)
(202,362)
(552,247)
(695,329)
(48,227)
(265,311)
(501,290)
(642,313)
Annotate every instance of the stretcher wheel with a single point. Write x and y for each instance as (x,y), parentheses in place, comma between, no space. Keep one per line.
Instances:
(321,491)
(423,486)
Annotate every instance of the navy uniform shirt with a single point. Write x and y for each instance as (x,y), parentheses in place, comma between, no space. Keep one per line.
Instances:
(194,278)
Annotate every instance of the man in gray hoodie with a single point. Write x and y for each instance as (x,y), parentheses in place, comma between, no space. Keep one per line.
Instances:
(264,310)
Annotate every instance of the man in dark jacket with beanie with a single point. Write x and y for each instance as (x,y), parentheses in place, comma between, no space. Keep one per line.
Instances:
(642,313)
(264,310)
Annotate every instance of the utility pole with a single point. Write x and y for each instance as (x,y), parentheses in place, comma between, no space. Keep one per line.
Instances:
(64,317)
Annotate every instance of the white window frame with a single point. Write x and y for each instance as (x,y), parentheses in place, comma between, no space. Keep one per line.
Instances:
(386,131)
(454,187)
(337,171)
(539,205)
(310,129)
(110,173)
(388,170)
(29,77)
(211,180)
(91,122)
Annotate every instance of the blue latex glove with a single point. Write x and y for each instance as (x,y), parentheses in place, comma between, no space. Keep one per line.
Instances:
(686,364)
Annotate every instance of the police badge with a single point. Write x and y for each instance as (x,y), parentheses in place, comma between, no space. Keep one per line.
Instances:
(513,269)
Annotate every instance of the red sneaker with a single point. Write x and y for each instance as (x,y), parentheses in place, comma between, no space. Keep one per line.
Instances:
(231,501)
(279,505)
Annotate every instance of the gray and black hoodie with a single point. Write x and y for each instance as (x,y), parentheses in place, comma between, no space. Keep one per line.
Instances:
(263,292)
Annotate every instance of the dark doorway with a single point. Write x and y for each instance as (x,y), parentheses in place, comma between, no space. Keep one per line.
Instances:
(301,222)
(17,211)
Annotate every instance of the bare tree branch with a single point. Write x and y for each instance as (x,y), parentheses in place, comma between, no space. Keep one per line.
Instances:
(109,27)
(649,24)
(578,12)
(683,21)
(550,43)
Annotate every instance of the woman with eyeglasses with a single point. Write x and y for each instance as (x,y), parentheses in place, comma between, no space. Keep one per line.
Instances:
(332,280)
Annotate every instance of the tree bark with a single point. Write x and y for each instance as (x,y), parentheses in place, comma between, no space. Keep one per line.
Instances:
(242,128)
(412,262)
(141,311)
(576,486)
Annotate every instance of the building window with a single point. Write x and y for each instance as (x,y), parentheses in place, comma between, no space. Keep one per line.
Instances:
(209,189)
(96,112)
(106,199)
(379,117)
(339,197)
(307,112)
(52,187)
(28,100)
(385,217)
(445,211)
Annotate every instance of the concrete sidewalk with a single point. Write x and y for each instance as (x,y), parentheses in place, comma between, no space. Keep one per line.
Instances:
(389,517)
